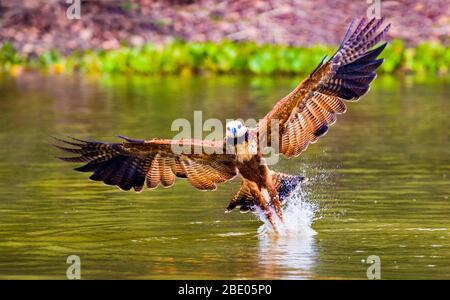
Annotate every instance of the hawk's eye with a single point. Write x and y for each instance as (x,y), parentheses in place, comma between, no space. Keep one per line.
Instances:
(239,126)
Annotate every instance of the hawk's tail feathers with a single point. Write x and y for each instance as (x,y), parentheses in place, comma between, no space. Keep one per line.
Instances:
(284,183)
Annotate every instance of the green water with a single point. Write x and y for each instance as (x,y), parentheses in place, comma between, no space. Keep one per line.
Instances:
(378,181)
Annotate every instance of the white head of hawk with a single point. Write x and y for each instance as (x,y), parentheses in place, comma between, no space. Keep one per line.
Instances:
(235,129)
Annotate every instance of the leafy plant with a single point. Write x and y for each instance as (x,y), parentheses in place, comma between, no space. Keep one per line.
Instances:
(181,57)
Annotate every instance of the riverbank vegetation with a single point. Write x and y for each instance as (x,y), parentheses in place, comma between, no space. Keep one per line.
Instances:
(188,58)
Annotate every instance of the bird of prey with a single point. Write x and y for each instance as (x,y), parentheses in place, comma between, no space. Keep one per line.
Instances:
(302,117)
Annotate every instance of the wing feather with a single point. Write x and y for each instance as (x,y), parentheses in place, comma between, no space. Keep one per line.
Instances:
(306,113)
(167,176)
(133,163)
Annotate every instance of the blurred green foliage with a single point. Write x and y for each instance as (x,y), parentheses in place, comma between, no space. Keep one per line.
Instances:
(8,56)
(226,57)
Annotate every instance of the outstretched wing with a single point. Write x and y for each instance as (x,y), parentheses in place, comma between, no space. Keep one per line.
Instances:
(306,113)
(133,163)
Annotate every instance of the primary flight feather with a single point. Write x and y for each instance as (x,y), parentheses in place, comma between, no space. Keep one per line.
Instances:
(301,118)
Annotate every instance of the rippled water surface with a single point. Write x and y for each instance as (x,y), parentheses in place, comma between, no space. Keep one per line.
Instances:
(378,185)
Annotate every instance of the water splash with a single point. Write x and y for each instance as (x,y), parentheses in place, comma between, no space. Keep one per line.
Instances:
(298,216)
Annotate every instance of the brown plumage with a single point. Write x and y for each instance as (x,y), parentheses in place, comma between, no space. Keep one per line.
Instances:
(303,116)
(134,163)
